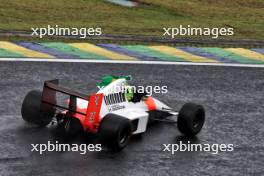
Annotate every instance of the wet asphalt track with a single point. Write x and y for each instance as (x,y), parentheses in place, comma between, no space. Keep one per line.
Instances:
(233,98)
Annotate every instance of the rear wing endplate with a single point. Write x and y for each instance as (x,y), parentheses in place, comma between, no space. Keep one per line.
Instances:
(50,89)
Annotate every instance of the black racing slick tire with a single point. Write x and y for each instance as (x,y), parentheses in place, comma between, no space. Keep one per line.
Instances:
(70,127)
(31,109)
(115,132)
(191,119)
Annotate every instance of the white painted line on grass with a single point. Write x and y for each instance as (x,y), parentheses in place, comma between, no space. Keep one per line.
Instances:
(130,62)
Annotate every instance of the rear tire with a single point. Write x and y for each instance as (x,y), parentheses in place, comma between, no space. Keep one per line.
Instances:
(31,109)
(191,119)
(115,132)
(70,127)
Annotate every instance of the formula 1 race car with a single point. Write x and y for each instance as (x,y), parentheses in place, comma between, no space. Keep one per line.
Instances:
(116,112)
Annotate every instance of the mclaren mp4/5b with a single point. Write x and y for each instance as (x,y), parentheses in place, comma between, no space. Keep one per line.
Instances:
(114,114)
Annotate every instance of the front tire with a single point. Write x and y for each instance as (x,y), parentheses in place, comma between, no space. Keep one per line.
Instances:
(191,119)
(31,109)
(115,132)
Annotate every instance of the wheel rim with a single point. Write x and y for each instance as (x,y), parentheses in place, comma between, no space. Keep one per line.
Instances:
(67,126)
(123,139)
(198,120)
(123,136)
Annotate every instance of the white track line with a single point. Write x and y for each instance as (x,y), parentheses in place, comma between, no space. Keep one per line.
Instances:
(129,62)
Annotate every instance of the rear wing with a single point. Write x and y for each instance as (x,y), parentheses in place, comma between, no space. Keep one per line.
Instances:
(92,114)
(50,89)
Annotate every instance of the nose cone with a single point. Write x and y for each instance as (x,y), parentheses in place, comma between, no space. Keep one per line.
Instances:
(160,105)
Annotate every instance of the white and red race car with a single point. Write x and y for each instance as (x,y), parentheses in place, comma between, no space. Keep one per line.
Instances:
(116,112)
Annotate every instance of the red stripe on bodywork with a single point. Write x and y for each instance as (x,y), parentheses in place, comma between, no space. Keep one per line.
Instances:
(150,103)
(92,118)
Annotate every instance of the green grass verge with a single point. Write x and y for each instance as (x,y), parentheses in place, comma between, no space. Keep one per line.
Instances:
(246,16)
